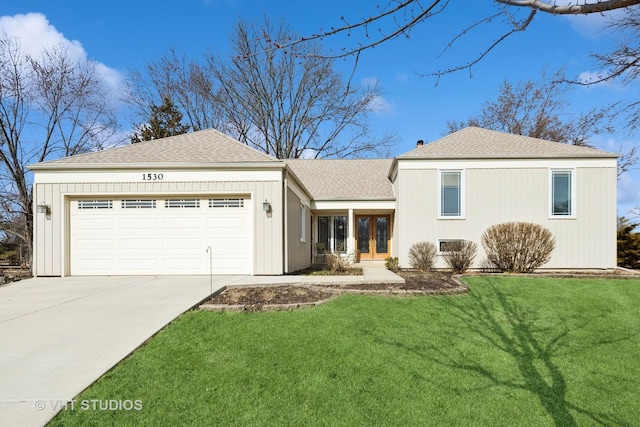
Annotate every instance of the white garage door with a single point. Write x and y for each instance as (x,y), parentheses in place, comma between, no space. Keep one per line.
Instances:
(149,236)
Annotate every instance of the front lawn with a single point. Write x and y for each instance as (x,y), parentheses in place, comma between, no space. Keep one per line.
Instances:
(514,351)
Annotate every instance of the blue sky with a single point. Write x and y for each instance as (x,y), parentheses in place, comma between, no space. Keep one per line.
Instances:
(122,36)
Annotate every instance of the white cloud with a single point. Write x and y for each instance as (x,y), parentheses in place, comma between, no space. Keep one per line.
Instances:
(593,24)
(587,77)
(378,104)
(36,33)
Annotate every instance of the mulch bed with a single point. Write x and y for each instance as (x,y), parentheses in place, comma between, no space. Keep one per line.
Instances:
(288,297)
(269,295)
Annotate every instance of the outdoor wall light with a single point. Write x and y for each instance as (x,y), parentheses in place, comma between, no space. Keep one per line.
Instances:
(266,206)
(43,208)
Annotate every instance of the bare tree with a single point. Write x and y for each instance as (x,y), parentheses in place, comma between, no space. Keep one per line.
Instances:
(50,106)
(397,19)
(536,109)
(623,64)
(293,106)
(189,85)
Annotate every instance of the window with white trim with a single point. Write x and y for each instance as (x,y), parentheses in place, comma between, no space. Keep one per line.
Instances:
(332,234)
(446,245)
(303,224)
(451,197)
(562,193)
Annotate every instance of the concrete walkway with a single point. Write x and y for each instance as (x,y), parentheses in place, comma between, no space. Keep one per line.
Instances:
(59,335)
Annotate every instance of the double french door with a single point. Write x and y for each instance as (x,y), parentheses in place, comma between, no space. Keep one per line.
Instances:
(372,234)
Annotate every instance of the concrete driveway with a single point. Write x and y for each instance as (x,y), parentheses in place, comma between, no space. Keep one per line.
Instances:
(58,335)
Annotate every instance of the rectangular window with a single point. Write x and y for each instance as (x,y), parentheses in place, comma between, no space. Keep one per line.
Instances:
(340,233)
(450,193)
(182,203)
(95,204)
(303,224)
(138,204)
(446,245)
(226,203)
(561,193)
(324,234)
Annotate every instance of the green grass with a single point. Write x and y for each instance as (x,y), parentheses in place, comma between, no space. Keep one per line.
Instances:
(515,351)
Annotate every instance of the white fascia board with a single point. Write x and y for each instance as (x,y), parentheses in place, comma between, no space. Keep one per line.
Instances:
(304,198)
(154,175)
(406,164)
(342,205)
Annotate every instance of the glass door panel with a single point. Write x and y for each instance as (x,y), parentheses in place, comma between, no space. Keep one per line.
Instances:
(363,225)
(382,235)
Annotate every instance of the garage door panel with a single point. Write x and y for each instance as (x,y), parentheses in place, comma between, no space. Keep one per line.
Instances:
(134,224)
(96,244)
(96,224)
(177,244)
(136,264)
(162,240)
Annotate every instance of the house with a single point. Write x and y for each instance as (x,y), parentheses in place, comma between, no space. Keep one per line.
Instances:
(175,205)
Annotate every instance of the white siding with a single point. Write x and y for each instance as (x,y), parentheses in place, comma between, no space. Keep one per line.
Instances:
(298,252)
(495,195)
(51,235)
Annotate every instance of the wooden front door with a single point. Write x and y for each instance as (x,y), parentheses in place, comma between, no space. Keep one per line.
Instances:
(372,234)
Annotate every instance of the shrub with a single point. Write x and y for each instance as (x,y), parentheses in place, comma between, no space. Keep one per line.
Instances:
(340,262)
(518,247)
(392,263)
(460,255)
(422,256)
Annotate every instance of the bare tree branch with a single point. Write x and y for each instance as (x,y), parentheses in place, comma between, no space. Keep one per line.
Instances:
(571,9)
(398,19)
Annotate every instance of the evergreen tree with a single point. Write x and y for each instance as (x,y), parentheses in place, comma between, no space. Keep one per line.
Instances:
(165,120)
(628,245)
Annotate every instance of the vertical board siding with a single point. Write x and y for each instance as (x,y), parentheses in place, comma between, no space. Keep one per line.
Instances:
(49,238)
(493,196)
(299,253)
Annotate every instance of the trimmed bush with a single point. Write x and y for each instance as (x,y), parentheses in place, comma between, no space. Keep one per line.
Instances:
(518,247)
(422,256)
(392,263)
(460,255)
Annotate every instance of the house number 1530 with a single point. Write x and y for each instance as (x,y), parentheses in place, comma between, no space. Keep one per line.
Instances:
(152,177)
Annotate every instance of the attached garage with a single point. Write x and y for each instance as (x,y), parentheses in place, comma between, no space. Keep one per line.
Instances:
(161,235)
(154,208)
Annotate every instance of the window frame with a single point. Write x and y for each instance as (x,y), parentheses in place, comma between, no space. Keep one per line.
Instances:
(572,193)
(332,238)
(461,195)
(303,224)
(441,241)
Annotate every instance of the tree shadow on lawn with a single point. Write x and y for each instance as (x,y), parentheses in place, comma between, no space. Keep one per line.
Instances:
(498,321)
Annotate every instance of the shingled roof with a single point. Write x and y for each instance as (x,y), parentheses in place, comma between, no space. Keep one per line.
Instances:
(357,179)
(473,142)
(205,146)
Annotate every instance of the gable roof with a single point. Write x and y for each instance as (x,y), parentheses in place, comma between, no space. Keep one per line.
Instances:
(478,143)
(201,147)
(356,179)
